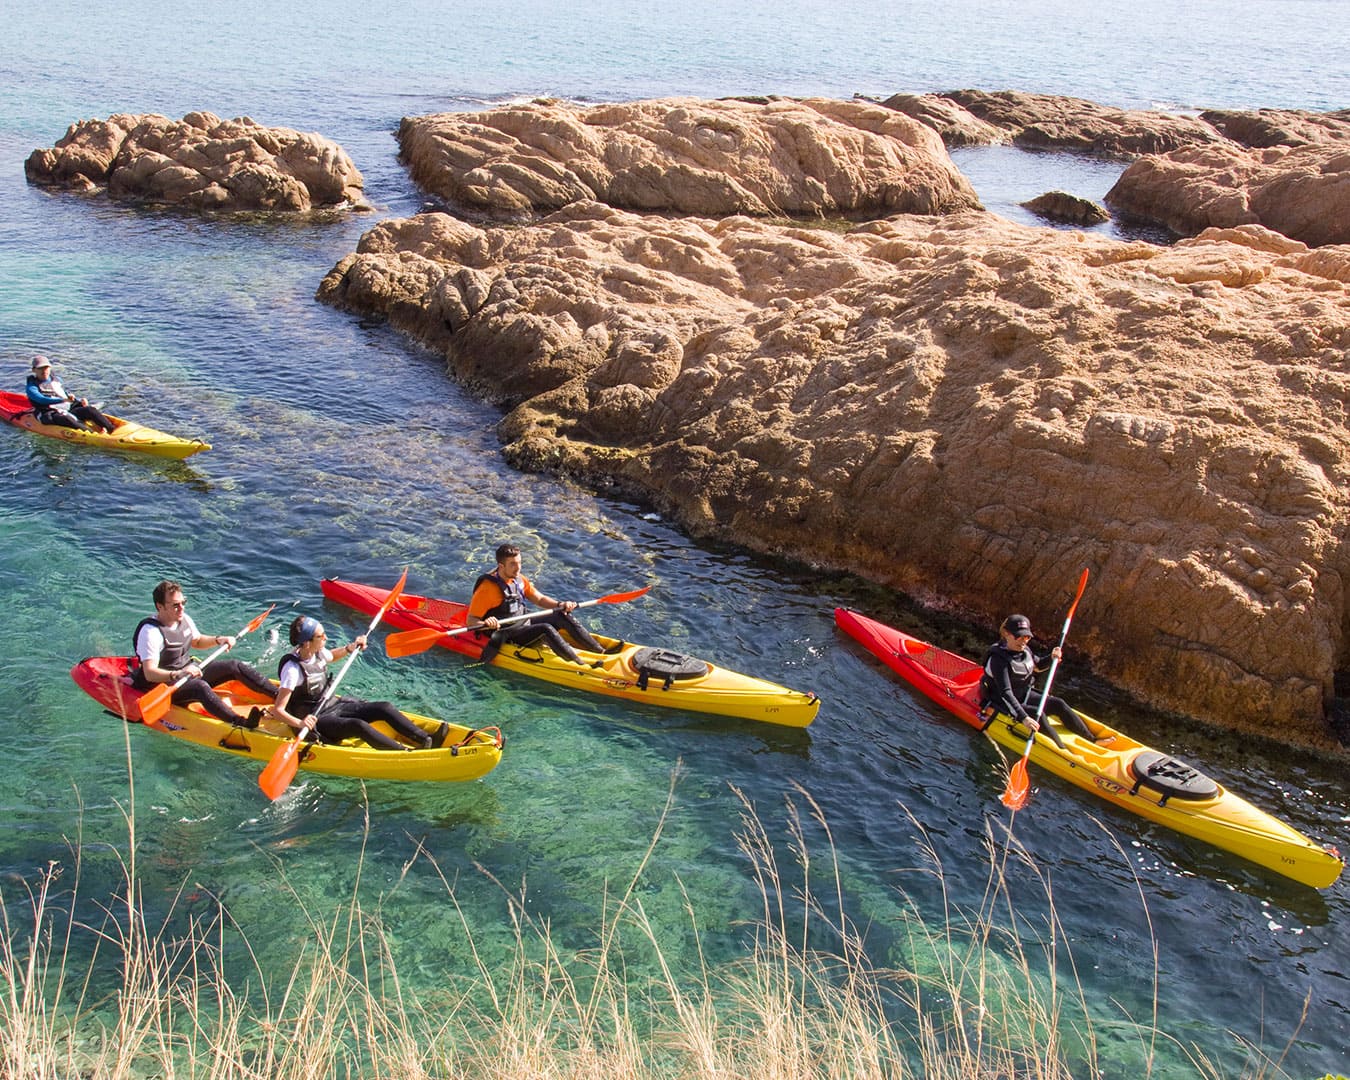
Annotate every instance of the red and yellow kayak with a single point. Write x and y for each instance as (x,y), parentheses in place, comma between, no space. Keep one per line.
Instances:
(635,673)
(466,753)
(1118,769)
(128,435)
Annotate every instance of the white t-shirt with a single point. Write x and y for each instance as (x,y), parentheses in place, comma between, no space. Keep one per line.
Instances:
(292,675)
(150,641)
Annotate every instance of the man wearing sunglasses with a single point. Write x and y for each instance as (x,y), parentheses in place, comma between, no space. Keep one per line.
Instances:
(164,644)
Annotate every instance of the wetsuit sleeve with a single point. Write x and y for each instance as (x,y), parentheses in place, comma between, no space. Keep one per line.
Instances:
(39,400)
(486,597)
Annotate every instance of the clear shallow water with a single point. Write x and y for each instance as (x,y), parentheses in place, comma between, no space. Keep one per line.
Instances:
(210,328)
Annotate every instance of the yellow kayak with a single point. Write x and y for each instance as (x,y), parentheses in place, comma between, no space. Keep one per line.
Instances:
(466,754)
(636,673)
(128,435)
(1116,768)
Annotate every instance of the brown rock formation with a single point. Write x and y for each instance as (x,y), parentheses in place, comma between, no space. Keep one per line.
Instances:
(955,125)
(1069,209)
(806,158)
(1049,122)
(1280,127)
(201,162)
(964,408)
(1302,192)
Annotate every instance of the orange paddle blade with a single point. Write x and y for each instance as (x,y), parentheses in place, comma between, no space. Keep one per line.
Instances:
(255,623)
(411,642)
(1019,786)
(280,771)
(154,703)
(620,597)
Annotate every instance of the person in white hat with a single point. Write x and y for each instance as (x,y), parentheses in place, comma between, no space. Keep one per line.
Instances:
(52,405)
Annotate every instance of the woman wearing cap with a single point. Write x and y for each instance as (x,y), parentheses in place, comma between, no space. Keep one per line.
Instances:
(52,405)
(1010,668)
(304,678)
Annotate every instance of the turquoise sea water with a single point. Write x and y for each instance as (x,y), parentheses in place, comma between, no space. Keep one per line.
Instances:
(341,449)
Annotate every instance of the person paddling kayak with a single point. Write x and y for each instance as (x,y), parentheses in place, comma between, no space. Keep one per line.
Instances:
(163,644)
(305,678)
(1007,685)
(501,593)
(53,405)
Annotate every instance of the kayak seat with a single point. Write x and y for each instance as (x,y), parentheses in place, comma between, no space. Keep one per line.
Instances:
(1166,774)
(667,665)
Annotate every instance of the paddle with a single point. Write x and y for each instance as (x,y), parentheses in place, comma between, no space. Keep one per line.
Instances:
(411,642)
(280,771)
(154,703)
(1019,784)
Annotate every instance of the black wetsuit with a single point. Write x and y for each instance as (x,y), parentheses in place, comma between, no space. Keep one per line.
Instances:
(1008,685)
(177,654)
(345,718)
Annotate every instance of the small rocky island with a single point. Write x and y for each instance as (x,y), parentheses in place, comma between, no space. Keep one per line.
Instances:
(968,409)
(201,163)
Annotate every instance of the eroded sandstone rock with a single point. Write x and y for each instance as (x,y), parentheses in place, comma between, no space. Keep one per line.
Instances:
(1280,127)
(1302,191)
(961,407)
(1051,122)
(713,158)
(956,125)
(201,162)
(1069,209)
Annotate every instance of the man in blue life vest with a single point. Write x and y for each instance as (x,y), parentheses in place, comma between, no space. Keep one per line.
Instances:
(502,594)
(52,405)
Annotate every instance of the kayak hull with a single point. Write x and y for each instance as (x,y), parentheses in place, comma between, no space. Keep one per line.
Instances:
(128,435)
(1111,768)
(720,691)
(466,755)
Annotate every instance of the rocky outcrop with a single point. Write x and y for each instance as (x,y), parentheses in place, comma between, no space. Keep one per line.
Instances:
(1068,209)
(712,158)
(955,125)
(964,408)
(1301,191)
(1051,122)
(1280,127)
(200,162)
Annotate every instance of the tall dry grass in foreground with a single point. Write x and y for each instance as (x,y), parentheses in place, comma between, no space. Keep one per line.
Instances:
(975,1000)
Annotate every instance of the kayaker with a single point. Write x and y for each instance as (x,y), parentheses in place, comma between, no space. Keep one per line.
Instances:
(1007,685)
(304,677)
(501,594)
(163,644)
(53,405)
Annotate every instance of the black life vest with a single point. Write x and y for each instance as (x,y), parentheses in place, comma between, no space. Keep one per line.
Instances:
(174,656)
(317,680)
(1021,673)
(513,597)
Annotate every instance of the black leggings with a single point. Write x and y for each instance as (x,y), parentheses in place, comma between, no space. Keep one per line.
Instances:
(1059,708)
(345,718)
(546,626)
(215,673)
(86,413)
